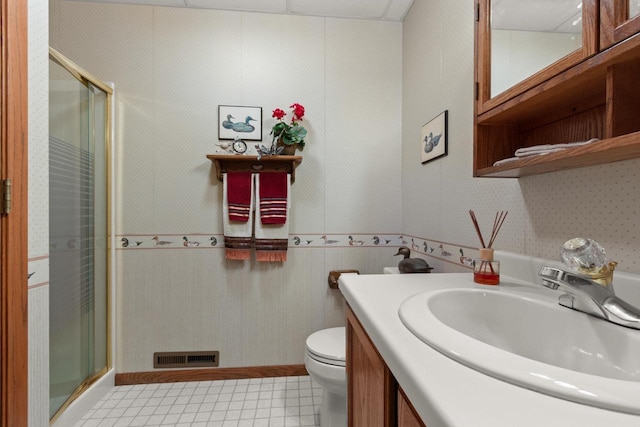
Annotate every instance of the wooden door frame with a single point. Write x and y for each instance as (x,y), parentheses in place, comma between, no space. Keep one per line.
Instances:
(13,226)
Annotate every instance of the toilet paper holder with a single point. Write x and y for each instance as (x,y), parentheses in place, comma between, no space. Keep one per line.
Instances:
(334,276)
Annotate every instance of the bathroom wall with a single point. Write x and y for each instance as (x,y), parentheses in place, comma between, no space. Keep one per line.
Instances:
(38,232)
(600,202)
(368,88)
(171,69)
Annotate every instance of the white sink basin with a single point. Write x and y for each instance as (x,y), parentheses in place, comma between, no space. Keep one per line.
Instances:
(527,339)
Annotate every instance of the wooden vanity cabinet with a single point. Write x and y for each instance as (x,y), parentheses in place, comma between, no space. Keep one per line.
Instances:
(407,416)
(374,398)
(595,95)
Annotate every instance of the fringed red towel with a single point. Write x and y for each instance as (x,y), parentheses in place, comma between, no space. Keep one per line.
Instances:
(237,214)
(239,191)
(273,197)
(272,227)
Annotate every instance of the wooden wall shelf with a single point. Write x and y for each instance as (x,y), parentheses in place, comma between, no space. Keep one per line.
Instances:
(226,163)
(606,151)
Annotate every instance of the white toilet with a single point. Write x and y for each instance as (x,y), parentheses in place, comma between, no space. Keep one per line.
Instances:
(325,360)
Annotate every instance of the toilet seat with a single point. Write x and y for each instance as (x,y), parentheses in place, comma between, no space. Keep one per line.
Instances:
(328,346)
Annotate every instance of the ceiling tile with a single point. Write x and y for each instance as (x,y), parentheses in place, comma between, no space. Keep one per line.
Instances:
(366,9)
(342,8)
(274,6)
(168,3)
(398,9)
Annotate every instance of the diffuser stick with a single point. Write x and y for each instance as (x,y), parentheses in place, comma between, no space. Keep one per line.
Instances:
(475,224)
(497,225)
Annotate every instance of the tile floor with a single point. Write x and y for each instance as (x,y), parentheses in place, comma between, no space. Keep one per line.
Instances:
(261,402)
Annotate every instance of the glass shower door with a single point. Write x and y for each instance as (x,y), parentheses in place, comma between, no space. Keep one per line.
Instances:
(78,327)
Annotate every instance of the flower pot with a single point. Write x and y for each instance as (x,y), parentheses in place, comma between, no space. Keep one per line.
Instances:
(289,150)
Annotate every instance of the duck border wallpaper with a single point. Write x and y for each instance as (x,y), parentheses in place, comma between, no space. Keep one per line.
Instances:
(443,251)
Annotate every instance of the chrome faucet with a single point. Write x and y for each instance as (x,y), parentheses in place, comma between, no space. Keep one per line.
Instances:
(590,295)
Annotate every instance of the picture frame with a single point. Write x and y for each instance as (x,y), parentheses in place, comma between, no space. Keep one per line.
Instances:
(434,138)
(236,121)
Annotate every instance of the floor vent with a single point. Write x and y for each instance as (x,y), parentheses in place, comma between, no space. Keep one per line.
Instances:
(186,359)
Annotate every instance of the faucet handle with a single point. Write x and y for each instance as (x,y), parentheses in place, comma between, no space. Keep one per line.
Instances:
(604,276)
(587,258)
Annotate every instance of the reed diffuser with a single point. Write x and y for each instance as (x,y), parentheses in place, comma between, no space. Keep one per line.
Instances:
(486,270)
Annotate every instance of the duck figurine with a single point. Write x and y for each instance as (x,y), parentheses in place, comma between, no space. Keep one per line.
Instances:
(411,265)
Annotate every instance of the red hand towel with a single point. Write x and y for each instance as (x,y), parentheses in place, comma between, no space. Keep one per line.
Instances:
(239,195)
(273,197)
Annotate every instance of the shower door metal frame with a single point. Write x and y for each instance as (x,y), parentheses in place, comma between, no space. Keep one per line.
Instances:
(14,399)
(90,80)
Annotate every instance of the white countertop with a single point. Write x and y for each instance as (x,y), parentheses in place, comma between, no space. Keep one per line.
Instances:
(443,391)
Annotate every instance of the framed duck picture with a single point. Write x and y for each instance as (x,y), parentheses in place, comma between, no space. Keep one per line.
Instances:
(235,121)
(433,138)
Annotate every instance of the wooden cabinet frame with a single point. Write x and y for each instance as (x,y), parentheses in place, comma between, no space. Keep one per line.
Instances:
(595,97)
(483,55)
(615,23)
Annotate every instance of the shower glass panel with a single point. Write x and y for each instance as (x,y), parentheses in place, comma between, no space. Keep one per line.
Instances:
(78,325)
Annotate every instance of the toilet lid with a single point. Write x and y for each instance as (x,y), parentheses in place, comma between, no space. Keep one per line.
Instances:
(328,346)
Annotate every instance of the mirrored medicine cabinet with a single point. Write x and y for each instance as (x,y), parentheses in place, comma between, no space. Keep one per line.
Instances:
(527,37)
(555,72)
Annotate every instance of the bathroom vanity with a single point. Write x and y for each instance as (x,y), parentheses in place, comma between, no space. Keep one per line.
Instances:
(395,378)
(374,396)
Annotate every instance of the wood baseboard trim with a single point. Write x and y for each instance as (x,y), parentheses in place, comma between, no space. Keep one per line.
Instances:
(210,374)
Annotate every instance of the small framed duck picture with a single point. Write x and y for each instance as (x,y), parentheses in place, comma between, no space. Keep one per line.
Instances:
(433,142)
(235,121)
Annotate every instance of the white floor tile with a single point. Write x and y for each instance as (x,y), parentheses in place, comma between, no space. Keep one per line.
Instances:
(255,402)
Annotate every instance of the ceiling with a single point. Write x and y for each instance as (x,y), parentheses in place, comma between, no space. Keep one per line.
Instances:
(392,10)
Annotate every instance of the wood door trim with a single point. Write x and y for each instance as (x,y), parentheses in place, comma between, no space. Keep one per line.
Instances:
(13,234)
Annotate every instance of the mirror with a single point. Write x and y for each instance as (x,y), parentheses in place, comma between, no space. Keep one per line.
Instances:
(529,36)
(634,8)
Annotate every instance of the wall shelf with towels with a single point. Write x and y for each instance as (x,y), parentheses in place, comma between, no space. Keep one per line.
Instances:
(241,163)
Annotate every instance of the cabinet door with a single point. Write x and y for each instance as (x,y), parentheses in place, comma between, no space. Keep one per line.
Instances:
(371,387)
(619,20)
(407,416)
(519,45)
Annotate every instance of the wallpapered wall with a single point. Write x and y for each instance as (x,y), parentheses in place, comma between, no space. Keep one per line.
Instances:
(544,211)
(171,69)
(38,232)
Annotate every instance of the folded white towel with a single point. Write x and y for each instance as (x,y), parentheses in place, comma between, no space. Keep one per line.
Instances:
(507,160)
(550,148)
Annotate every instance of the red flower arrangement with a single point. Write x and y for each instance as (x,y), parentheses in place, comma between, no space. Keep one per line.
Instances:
(289,133)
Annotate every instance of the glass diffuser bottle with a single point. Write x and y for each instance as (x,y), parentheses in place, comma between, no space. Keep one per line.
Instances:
(486,270)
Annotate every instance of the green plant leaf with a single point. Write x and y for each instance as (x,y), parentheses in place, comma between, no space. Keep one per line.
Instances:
(279,128)
(298,133)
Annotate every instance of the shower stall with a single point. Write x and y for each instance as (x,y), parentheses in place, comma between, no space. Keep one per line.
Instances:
(79,219)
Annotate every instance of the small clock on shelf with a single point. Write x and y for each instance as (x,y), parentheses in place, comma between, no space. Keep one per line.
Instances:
(239,146)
